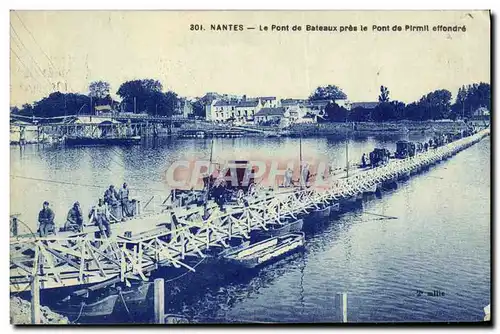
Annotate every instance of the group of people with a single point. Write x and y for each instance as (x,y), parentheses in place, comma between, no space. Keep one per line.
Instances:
(99,215)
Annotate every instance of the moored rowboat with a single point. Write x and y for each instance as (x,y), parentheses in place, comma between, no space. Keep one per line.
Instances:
(261,252)
(100,308)
(281,229)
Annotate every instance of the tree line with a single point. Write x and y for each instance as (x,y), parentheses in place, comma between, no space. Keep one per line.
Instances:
(434,105)
(138,96)
(147,96)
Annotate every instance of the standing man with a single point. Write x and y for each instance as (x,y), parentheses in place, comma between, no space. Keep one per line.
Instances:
(372,159)
(363,160)
(305,174)
(101,218)
(124,193)
(74,220)
(46,220)
(111,199)
(110,195)
(288,177)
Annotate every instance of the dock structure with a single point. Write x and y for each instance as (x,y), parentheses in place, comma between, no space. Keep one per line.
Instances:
(25,129)
(150,240)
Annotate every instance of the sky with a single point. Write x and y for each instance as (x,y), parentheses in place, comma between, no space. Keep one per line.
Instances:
(66,50)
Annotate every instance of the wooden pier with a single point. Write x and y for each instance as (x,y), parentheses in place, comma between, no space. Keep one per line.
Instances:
(142,244)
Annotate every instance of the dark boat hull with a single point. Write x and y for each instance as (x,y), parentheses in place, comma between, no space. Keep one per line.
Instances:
(100,308)
(317,215)
(275,231)
(266,251)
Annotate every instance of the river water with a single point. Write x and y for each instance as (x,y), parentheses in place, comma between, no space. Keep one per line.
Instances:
(439,242)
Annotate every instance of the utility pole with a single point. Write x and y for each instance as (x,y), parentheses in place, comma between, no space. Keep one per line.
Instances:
(35,291)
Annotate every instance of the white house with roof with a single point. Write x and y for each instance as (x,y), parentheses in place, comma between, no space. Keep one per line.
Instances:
(284,116)
(223,110)
(269,102)
(246,109)
(295,113)
(269,115)
(242,110)
(184,107)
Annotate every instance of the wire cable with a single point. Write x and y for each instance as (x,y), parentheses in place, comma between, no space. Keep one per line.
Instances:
(76,184)
(29,54)
(187,272)
(79,315)
(34,39)
(27,69)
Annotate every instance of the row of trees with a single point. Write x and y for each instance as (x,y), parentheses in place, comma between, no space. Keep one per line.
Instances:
(432,106)
(147,96)
(138,96)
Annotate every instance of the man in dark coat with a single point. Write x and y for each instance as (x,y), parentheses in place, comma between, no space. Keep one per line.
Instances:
(74,220)
(46,220)
(110,195)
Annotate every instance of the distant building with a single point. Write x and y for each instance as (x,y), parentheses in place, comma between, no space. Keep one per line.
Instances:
(270,115)
(245,110)
(183,108)
(318,105)
(293,102)
(238,109)
(284,116)
(364,105)
(103,109)
(343,103)
(269,102)
(480,112)
(295,113)
(307,119)
(222,110)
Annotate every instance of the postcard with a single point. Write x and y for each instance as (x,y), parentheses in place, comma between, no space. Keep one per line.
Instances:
(250,167)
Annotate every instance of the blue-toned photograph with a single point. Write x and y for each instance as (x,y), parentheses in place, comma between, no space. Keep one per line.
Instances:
(250,167)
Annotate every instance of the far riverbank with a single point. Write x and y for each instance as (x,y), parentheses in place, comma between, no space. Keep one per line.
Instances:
(361,128)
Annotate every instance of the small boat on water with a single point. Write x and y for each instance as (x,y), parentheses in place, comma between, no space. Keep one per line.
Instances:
(371,190)
(78,305)
(102,307)
(322,212)
(254,255)
(276,230)
(135,295)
